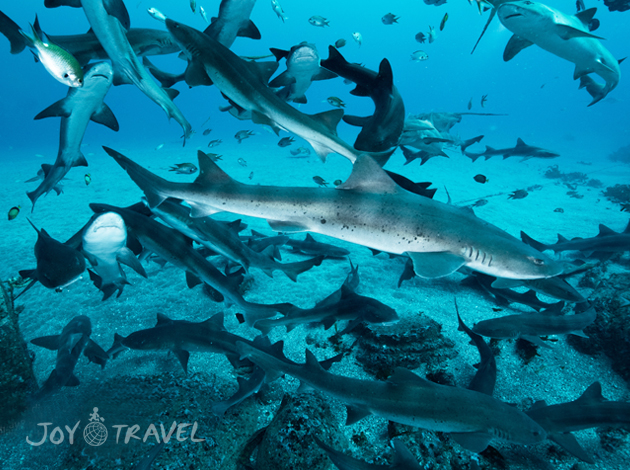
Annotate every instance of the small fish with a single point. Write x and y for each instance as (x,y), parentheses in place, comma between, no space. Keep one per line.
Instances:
(157,14)
(479,203)
(470,104)
(242,135)
(320,181)
(421,38)
(357,37)
(275,5)
(286,141)
(432,34)
(183,168)
(242,162)
(339,43)
(251,175)
(579,5)
(419,56)
(300,151)
(193,5)
(14,212)
(59,63)
(518,194)
(207,131)
(443,22)
(337,182)
(159,147)
(215,143)
(319,21)
(560,210)
(390,18)
(202,12)
(336,102)
(484,98)
(214,157)
(88,179)
(481,179)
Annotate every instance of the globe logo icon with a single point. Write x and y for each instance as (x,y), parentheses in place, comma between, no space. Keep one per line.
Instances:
(95,433)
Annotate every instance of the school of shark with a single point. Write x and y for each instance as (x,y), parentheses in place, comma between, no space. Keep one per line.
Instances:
(199,226)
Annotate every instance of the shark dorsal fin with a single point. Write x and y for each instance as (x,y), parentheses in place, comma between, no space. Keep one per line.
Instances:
(585,16)
(520,143)
(402,457)
(402,376)
(593,393)
(210,173)
(215,322)
(367,176)
(162,319)
(309,238)
(263,70)
(279,53)
(605,231)
(385,75)
(311,361)
(249,31)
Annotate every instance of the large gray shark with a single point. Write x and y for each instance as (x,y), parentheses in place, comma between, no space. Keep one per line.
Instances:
(368,209)
(171,245)
(220,238)
(127,67)
(530,326)
(590,410)
(233,21)
(73,341)
(472,418)
(244,84)
(105,246)
(76,110)
(606,242)
(383,129)
(521,149)
(303,67)
(566,36)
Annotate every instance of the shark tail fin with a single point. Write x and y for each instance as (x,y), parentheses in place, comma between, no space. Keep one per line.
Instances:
(533,243)
(467,143)
(596,90)
(12,31)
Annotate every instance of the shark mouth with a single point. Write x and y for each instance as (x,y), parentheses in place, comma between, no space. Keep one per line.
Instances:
(512,16)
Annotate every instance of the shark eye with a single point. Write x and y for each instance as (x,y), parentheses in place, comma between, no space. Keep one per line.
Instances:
(536,261)
(65,75)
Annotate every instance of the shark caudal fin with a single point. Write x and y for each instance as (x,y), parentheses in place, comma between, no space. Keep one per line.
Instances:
(533,243)
(13,33)
(467,143)
(148,182)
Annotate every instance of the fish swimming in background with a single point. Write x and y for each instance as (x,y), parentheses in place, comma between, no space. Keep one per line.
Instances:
(318,21)
(202,12)
(390,18)
(480,179)
(207,131)
(193,5)
(518,194)
(443,22)
(300,151)
(14,212)
(57,61)
(339,43)
(358,38)
(432,34)
(421,38)
(320,181)
(286,141)
(156,14)
(419,56)
(275,5)
(215,143)
(183,168)
(484,98)
(242,162)
(87,178)
(470,104)
(242,135)
(336,102)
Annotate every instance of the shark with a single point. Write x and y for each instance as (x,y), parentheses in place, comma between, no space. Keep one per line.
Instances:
(521,149)
(104,244)
(303,67)
(383,129)
(221,239)
(531,326)
(472,418)
(401,460)
(171,245)
(77,109)
(105,18)
(73,341)
(232,22)
(368,209)
(605,243)
(421,133)
(590,410)
(310,246)
(244,84)
(566,36)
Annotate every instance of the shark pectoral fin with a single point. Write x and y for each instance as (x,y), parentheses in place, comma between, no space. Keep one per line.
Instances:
(355,414)
(286,226)
(515,45)
(434,265)
(249,31)
(502,283)
(172,93)
(324,74)
(73,381)
(284,79)
(73,340)
(536,341)
(48,342)
(57,109)
(58,189)
(328,322)
(126,257)
(472,441)
(105,116)
(360,90)
(96,354)
(300,99)
(321,150)
(182,356)
(579,333)
(117,9)
(566,32)
(580,72)
(358,121)
(330,119)
(192,280)
(196,75)
(259,118)
(121,76)
(569,443)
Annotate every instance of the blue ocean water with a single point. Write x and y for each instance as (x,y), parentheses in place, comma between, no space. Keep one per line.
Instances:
(541,103)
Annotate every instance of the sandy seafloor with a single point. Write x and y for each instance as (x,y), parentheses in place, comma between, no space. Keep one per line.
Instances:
(559,374)
(545,109)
